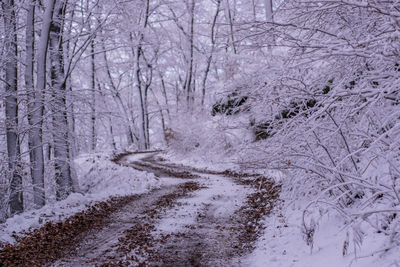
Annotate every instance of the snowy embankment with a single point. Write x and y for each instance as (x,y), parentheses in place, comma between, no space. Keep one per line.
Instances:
(283,244)
(99,179)
(336,240)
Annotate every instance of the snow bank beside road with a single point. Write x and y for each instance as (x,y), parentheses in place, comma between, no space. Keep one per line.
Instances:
(283,244)
(100,176)
(99,179)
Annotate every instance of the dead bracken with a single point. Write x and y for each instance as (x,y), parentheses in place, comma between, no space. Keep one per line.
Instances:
(52,241)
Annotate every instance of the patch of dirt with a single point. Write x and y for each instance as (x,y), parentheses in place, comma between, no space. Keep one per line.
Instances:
(161,171)
(136,247)
(160,162)
(257,206)
(147,164)
(118,157)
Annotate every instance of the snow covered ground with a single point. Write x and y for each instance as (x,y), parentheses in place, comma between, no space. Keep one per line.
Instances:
(283,244)
(99,179)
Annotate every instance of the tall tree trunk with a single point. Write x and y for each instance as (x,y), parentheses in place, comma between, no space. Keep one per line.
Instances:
(93,137)
(70,101)
(93,97)
(35,109)
(142,127)
(59,106)
(160,109)
(254,10)
(147,121)
(228,16)
(110,124)
(210,56)
(269,19)
(268,10)
(164,92)
(143,144)
(189,75)
(34,145)
(11,67)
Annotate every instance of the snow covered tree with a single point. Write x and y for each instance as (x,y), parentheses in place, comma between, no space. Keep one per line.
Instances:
(58,104)
(11,106)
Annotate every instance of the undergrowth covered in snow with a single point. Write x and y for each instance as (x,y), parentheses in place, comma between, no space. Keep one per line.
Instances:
(203,141)
(99,179)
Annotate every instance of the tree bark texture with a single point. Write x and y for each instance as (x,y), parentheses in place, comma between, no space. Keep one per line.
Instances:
(11,105)
(59,106)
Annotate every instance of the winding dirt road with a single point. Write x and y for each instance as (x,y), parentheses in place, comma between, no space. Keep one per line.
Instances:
(198,218)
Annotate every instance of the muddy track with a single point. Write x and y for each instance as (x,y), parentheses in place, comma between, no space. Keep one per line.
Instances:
(212,240)
(156,161)
(123,231)
(101,246)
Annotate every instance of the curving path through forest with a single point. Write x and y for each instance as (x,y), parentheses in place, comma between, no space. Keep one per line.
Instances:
(198,218)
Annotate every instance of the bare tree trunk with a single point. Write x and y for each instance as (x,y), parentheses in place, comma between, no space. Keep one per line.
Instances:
(35,145)
(268,10)
(189,75)
(269,19)
(11,86)
(93,95)
(93,137)
(149,80)
(161,115)
(59,107)
(147,121)
(164,91)
(228,15)
(209,58)
(35,110)
(70,101)
(143,138)
(142,134)
(110,125)
(254,10)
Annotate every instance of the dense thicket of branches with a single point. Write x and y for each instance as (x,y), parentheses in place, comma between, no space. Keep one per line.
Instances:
(327,104)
